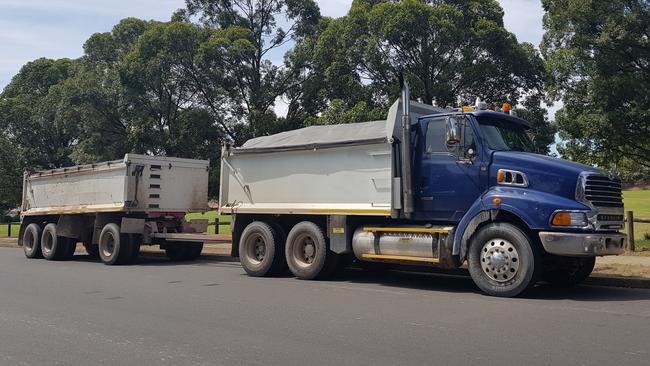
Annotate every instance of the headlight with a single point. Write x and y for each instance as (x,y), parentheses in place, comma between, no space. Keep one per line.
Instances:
(509,177)
(569,219)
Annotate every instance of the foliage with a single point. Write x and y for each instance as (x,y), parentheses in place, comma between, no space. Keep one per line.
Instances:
(10,176)
(598,57)
(259,82)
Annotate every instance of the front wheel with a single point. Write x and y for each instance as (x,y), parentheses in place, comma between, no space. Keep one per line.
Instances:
(503,260)
(567,271)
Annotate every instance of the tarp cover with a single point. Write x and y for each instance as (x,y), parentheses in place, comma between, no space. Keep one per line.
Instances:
(320,135)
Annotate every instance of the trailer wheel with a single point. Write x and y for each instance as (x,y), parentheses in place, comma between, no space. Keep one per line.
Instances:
(261,250)
(114,247)
(568,272)
(503,261)
(307,252)
(32,241)
(54,248)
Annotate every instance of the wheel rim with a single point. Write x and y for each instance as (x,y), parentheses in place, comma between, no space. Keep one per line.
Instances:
(48,242)
(499,260)
(108,245)
(255,248)
(305,250)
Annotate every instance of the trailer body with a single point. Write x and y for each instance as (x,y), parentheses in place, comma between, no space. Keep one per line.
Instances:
(114,207)
(136,184)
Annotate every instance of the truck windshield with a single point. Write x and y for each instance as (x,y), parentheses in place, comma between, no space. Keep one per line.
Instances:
(505,136)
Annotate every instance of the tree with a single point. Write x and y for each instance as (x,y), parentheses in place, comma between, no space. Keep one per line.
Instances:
(10,175)
(32,116)
(450,51)
(598,57)
(259,81)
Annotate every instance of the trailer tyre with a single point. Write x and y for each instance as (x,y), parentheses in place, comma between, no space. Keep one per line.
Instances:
(568,272)
(307,252)
(53,247)
(114,247)
(503,261)
(261,250)
(32,241)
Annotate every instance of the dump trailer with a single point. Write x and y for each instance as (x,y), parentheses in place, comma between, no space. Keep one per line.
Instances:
(426,186)
(114,207)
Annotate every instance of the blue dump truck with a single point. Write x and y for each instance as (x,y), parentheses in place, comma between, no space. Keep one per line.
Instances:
(427,187)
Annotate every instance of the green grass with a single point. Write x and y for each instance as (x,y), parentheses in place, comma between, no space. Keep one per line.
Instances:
(15,227)
(211,216)
(639,202)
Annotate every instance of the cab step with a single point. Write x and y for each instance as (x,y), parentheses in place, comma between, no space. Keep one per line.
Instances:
(399,258)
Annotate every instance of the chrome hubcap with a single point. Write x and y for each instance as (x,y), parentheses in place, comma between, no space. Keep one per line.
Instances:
(499,260)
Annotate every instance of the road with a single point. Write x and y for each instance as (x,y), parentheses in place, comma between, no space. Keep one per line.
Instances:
(210,313)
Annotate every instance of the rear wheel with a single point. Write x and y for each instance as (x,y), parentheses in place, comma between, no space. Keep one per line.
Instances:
(261,249)
(53,247)
(568,272)
(114,247)
(503,260)
(307,252)
(32,241)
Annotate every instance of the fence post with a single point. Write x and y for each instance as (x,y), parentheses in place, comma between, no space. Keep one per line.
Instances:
(9,230)
(216,225)
(630,230)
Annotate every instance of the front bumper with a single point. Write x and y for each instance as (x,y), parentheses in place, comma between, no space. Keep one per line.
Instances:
(583,244)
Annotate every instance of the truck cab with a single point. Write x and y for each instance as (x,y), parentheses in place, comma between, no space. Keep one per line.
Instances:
(427,187)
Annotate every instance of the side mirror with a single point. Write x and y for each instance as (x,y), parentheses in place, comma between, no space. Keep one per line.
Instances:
(452,134)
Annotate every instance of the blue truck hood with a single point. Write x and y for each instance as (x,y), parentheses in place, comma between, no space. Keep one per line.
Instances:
(545,173)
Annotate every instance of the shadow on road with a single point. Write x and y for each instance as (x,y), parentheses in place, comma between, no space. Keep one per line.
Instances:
(455,281)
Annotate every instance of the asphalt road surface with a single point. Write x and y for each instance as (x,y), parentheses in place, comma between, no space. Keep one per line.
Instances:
(210,313)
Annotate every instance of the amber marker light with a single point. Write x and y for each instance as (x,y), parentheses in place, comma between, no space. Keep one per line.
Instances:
(505,107)
(496,201)
(500,175)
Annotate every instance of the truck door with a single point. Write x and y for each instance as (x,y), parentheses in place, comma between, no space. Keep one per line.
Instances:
(449,176)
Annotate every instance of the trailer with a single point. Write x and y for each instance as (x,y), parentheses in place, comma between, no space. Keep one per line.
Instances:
(427,187)
(115,207)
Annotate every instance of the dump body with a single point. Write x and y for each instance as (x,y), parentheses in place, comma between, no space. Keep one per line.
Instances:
(337,169)
(138,183)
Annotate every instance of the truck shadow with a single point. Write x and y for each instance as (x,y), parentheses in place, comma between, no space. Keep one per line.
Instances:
(459,281)
(453,281)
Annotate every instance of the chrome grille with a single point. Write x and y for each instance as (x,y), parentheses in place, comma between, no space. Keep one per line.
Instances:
(602,191)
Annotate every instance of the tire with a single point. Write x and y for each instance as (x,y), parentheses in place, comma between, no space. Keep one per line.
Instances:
(53,247)
(568,271)
(503,260)
(92,250)
(32,241)
(261,250)
(114,247)
(307,252)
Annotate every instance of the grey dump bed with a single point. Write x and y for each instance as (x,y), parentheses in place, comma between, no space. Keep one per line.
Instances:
(334,169)
(138,183)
